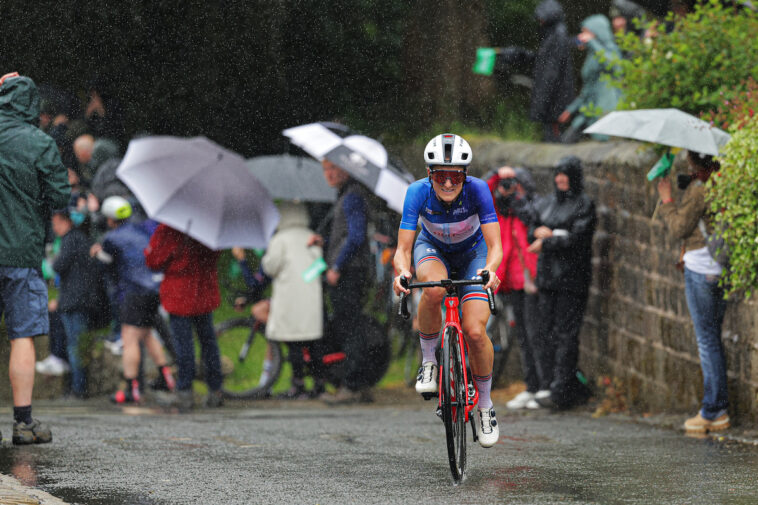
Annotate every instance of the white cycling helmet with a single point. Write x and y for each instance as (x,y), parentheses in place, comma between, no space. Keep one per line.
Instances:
(116,207)
(448,149)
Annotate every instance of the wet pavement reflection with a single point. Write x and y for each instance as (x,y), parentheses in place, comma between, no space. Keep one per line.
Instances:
(305,452)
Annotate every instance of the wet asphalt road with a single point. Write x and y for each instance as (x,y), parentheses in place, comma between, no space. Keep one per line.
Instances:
(388,452)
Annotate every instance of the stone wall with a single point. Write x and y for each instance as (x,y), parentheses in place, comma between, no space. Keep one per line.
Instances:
(637,326)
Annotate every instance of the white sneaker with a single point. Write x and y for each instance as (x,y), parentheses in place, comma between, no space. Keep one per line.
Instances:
(520,401)
(487,429)
(542,397)
(426,381)
(532,405)
(52,365)
(116,347)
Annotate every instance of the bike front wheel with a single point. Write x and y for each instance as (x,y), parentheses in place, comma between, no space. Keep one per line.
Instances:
(247,379)
(454,395)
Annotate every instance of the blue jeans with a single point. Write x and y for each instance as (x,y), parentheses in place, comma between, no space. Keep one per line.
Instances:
(705,300)
(74,324)
(184,347)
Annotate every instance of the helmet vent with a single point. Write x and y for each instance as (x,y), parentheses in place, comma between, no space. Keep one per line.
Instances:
(430,155)
(448,152)
(464,156)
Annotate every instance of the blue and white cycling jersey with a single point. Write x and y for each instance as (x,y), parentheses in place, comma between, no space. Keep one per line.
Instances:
(452,229)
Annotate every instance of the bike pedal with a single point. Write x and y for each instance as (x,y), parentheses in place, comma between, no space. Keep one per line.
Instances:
(428,396)
(439,412)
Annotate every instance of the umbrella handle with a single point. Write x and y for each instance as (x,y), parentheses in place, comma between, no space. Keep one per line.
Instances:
(655,212)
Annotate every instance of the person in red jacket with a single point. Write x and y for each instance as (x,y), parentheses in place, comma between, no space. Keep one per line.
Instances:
(510,189)
(189,293)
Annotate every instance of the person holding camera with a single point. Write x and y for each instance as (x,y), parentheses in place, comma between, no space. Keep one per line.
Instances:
(512,190)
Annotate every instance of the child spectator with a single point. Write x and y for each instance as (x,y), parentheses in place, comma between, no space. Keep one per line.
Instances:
(136,293)
(77,291)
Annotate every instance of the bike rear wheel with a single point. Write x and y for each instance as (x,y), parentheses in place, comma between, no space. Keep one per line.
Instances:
(454,394)
(245,380)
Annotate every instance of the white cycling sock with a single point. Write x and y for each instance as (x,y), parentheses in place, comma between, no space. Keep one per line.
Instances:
(484,385)
(428,346)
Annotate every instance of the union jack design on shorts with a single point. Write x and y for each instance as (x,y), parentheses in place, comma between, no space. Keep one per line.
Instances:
(476,295)
(425,259)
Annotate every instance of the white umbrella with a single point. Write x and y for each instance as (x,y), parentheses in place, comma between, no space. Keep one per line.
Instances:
(198,187)
(669,127)
(363,158)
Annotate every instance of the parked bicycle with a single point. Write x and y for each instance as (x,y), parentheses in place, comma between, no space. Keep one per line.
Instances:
(259,361)
(457,393)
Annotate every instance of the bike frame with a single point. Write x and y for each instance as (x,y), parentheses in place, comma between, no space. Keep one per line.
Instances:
(452,318)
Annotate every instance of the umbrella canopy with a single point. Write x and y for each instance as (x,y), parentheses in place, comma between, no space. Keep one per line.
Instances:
(198,187)
(669,127)
(293,178)
(363,158)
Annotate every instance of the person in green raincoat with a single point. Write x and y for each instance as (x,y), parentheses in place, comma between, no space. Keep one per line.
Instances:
(597,94)
(33,182)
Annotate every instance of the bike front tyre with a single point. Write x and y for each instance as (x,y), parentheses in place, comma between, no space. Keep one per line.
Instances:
(244,381)
(454,395)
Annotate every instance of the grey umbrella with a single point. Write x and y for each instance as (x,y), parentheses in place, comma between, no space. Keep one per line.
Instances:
(292,178)
(669,127)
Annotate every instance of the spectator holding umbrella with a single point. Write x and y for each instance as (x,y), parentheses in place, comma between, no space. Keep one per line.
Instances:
(688,220)
(346,254)
(189,293)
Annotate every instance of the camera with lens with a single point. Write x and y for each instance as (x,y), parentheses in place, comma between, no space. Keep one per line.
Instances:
(508,183)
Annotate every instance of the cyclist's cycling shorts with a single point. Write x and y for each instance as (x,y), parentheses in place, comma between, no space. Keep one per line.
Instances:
(464,264)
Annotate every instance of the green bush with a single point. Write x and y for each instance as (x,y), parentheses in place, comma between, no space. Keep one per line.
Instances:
(704,62)
(733,196)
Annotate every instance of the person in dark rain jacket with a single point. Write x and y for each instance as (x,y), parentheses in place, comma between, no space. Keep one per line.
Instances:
(33,182)
(347,254)
(563,224)
(78,287)
(553,73)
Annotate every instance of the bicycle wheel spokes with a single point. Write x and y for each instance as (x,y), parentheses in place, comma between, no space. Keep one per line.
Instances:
(454,393)
(247,380)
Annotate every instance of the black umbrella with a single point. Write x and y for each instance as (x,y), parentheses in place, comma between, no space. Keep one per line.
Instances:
(364,158)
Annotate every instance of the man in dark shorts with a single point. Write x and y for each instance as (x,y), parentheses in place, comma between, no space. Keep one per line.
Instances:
(33,182)
(136,293)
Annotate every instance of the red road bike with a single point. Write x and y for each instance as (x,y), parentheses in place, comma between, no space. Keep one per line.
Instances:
(457,393)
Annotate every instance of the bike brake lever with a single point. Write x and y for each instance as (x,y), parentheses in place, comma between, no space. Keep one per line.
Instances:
(485,275)
(403,311)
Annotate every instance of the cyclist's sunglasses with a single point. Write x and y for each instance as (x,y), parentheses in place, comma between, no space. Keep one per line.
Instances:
(440,176)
